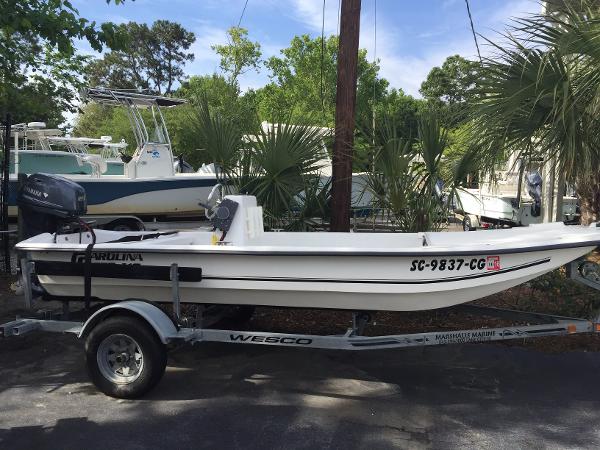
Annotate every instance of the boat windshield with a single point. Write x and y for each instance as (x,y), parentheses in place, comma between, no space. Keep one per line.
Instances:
(143,111)
(157,132)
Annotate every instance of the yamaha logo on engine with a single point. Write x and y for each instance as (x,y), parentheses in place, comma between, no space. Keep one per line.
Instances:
(35,192)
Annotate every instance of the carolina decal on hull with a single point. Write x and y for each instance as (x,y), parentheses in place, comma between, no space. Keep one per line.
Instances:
(108,256)
(125,270)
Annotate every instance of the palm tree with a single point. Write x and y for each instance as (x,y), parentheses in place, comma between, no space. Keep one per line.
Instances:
(278,164)
(218,138)
(539,97)
(283,173)
(404,175)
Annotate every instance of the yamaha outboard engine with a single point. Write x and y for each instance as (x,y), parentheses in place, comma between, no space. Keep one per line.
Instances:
(48,202)
(182,166)
(534,189)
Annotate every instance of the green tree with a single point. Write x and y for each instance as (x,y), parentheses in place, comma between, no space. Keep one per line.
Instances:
(153,59)
(37,99)
(403,109)
(222,94)
(239,55)
(98,120)
(299,94)
(395,106)
(296,90)
(449,88)
(224,98)
(279,166)
(539,99)
(404,175)
(39,66)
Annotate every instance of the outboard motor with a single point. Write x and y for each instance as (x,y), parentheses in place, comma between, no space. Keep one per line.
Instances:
(182,166)
(48,202)
(534,189)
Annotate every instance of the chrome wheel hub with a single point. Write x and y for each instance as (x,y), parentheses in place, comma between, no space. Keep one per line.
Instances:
(120,359)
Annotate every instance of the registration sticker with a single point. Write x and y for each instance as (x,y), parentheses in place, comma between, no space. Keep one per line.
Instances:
(492,263)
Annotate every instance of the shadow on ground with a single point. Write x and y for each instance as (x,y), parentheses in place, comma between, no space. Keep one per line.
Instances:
(227,396)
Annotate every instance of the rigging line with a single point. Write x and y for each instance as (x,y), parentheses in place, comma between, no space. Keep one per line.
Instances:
(373,102)
(374,63)
(242,15)
(473,31)
(339,16)
(322,58)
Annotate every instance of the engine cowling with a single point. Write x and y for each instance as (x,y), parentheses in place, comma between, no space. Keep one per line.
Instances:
(46,201)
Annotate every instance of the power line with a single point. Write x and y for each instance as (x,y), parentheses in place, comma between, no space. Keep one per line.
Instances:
(473,31)
(374,95)
(374,61)
(242,15)
(339,16)
(322,58)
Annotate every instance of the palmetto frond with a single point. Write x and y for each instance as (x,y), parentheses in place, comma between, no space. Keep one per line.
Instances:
(282,158)
(539,93)
(404,176)
(219,138)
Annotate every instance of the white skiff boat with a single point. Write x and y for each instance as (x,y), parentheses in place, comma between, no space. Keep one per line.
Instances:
(354,271)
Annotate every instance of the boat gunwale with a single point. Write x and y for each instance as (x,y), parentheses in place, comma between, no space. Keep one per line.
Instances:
(223,250)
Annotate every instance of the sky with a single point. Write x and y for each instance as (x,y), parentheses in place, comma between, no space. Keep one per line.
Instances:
(409,37)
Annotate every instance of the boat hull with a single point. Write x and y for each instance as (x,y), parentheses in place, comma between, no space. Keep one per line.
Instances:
(502,207)
(177,195)
(386,282)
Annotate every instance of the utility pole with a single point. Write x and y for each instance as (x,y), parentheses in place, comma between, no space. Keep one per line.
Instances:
(345,102)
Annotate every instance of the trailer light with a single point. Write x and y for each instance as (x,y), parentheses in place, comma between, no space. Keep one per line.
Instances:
(571,328)
(598,328)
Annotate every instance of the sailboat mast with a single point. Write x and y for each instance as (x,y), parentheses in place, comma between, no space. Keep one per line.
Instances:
(341,189)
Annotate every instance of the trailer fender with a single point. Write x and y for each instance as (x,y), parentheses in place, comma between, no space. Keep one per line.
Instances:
(154,316)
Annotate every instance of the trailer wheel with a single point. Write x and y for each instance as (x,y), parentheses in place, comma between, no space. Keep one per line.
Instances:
(124,356)
(467,224)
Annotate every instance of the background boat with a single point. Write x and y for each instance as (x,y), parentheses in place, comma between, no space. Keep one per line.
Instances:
(148,186)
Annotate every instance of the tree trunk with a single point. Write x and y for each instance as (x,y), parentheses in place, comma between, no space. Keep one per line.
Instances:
(588,191)
(341,189)
(548,187)
(560,194)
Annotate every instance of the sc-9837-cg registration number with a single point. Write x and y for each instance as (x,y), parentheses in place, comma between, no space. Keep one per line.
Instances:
(488,263)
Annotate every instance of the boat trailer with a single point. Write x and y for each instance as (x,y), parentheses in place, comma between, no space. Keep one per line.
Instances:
(126,342)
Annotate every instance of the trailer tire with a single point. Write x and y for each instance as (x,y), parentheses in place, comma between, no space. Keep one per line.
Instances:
(124,357)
